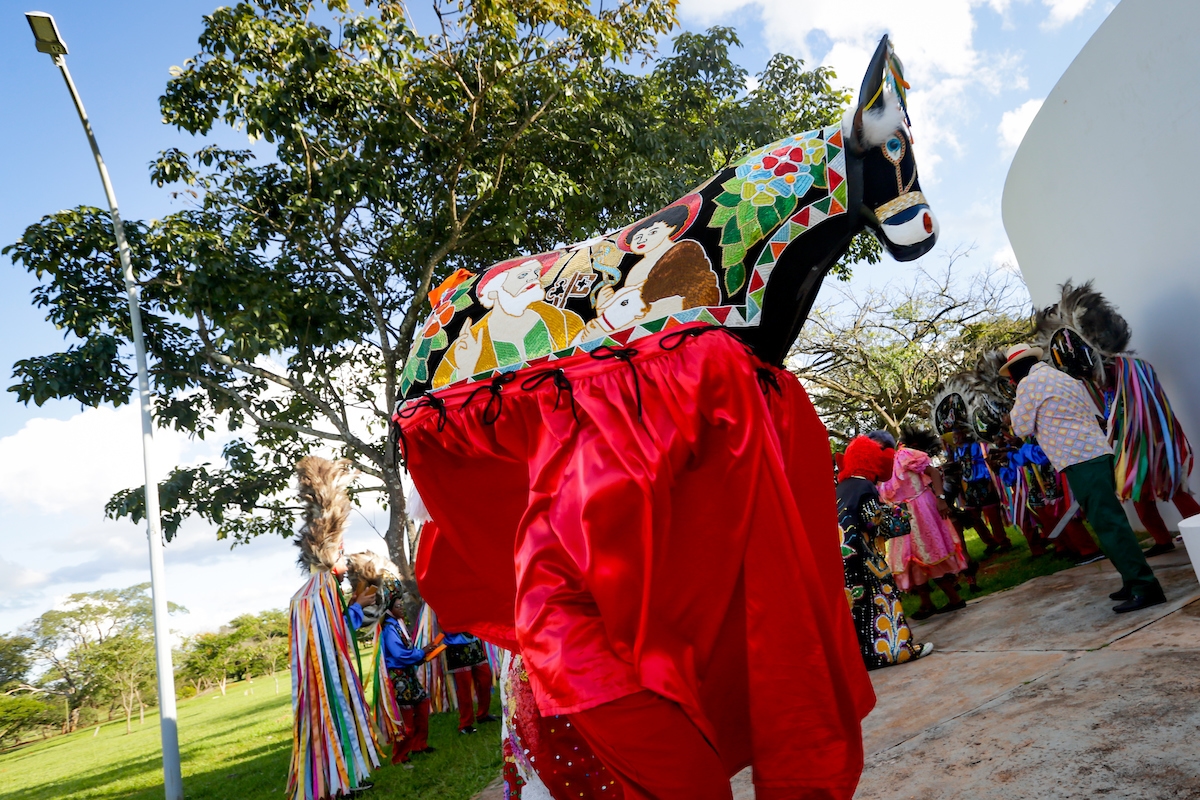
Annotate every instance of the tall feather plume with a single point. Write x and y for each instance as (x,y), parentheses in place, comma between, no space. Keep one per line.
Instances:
(987,382)
(1085,311)
(918,437)
(326,508)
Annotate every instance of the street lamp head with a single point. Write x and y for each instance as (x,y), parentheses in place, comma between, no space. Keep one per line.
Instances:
(46,34)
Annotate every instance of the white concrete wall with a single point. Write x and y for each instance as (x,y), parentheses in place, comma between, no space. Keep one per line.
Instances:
(1106,186)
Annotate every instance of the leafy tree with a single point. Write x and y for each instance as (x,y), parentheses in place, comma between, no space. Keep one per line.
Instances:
(15,660)
(875,359)
(211,658)
(283,301)
(124,663)
(264,643)
(71,643)
(20,712)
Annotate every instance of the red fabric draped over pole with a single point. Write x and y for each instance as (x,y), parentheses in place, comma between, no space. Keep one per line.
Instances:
(668,514)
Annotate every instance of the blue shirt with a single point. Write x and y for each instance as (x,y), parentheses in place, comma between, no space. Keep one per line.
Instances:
(354,616)
(397,654)
(978,469)
(458,638)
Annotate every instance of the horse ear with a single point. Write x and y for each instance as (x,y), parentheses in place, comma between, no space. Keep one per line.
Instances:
(870,94)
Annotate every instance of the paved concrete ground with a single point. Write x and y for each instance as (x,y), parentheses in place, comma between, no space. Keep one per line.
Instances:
(1042,691)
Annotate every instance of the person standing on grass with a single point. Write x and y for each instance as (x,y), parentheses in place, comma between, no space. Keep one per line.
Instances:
(467,661)
(1054,407)
(932,551)
(401,659)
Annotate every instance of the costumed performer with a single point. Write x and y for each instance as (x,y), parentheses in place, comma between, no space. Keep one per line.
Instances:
(467,662)
(1089,340)
(660,485)
(545,758)
(1055,408)
(932,550)
(401,658)
(1039,489)
(884,637)
(333,740)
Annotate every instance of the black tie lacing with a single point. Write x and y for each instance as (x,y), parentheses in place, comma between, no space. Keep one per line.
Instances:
(768,381)
(399,443)
(676,338)
(560,383)
(495,385)
(428,400)
(624,355)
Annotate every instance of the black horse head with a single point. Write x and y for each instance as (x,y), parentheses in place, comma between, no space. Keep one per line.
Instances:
(892,203)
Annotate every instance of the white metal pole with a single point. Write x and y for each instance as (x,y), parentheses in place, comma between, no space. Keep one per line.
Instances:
(172,777)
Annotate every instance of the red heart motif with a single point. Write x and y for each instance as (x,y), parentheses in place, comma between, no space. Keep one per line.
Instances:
(797,154)
(785,168)
(770,161)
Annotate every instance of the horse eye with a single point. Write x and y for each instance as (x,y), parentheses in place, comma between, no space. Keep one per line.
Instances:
(893,145)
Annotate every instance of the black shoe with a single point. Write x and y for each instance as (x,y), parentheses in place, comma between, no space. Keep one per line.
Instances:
(1004,548)
(466,730)
(951,607)
(1090,559)
(487,718)
(922,613)
(1123,594)
(422,752)
(1152,597)
(1159,549)
(362,787)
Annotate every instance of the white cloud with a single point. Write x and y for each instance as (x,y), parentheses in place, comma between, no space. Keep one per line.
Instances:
(1015,123)
(934,38)
(74,464)
(1063,11)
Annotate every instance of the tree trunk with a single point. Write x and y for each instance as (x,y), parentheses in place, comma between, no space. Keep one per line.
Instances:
(224,680)
(127,703)
(141,709)
(398,530)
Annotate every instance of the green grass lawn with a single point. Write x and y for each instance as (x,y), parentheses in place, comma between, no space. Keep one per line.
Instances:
(999,572)
(235,747)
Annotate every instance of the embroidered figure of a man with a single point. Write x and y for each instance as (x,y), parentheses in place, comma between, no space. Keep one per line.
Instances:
(518,326)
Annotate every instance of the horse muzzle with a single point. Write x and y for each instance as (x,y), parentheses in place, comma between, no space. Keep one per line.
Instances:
(907,226)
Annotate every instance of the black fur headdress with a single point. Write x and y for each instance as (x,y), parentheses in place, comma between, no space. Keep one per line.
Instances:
(1085,311)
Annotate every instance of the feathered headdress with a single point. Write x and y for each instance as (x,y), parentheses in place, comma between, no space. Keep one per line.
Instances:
(949,410)
(371,569)
(1080,331)
(326,508)
(991,395)
(918,437)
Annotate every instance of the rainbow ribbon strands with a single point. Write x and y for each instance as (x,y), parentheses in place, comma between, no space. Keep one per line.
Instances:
(433,673)
(334,744)
(1153,455)
(387,717)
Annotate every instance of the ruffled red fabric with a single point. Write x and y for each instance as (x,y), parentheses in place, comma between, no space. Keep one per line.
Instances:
(692,550)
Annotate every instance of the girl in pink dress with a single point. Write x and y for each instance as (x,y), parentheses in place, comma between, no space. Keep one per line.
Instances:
(932,551)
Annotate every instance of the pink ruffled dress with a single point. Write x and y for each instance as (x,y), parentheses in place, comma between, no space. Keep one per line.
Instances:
(932,549)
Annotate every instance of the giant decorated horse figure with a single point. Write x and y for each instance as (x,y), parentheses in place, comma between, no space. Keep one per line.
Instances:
(624,485)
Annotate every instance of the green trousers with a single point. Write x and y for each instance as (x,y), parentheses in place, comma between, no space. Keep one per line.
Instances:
(1095,489)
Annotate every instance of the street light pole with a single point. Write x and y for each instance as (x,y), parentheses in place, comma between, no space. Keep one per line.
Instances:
(49,41)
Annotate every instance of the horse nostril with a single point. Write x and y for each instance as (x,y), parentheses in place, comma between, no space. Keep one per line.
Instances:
(928,223)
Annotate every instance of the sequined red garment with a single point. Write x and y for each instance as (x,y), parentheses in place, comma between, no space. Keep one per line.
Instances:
(668,510)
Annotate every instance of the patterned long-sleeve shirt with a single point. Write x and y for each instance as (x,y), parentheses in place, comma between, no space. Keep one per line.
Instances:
(1054,407)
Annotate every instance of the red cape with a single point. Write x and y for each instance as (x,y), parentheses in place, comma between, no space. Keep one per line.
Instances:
(691,549)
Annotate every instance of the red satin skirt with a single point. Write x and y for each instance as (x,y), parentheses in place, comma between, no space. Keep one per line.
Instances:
(656,517)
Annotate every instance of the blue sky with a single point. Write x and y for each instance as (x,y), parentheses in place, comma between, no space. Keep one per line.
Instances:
(979,69)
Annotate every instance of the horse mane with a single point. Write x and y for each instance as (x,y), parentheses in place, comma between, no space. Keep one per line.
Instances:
(1087,312)
(322,490)
(879,123)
